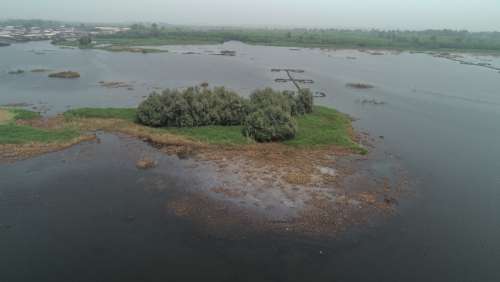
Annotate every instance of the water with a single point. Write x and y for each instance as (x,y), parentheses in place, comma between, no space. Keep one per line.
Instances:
(440,119)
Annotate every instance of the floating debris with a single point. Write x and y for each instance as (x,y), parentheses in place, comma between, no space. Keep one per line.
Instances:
(319,94)
(373,53)
(282,80)
(40,70)
(228,53)
(360,85)
(369,100)
(304,81)
(17,105)
(115,84)
(288,70)
(145,164)
(190,53)
(16,72)
(461,59)
(65,74)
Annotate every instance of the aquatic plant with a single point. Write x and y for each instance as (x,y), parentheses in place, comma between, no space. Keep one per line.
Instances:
(360,85)
(65,74)
(16,72)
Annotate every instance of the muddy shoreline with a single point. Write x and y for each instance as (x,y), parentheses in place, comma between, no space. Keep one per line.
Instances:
(260,187)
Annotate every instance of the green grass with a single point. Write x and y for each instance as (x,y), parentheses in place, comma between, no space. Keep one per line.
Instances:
(19,134)
(11,133)
(325,126)
(223,135)
(105,113)
(21,114)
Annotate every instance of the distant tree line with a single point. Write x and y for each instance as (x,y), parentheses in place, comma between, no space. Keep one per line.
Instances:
(404,39)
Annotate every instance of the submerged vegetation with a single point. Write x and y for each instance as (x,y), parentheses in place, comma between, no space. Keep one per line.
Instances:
(360,85)
(65,74)
(16,72)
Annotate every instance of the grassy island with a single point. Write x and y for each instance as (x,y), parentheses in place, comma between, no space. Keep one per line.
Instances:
(196,117)
(324,127)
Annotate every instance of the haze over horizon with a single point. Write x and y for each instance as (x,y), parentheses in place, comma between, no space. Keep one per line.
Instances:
(380,14)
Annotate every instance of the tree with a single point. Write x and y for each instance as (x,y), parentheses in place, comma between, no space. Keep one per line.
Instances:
(85,40)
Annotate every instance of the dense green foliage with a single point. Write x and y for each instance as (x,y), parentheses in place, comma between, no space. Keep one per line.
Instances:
(266,116)
(192,107)
(394,39)
(105,113)
(289,102)
(269,124)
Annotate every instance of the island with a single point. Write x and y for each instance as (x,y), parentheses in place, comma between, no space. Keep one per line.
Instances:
(275,147)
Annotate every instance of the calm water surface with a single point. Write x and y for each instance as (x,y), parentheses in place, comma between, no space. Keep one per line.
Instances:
(86,214)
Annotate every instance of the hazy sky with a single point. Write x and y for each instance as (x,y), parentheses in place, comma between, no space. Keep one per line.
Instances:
(403,14)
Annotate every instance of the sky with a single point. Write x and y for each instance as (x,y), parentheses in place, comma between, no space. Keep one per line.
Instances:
(474,15)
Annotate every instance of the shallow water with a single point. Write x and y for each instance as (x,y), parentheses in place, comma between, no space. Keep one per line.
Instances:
(91,219)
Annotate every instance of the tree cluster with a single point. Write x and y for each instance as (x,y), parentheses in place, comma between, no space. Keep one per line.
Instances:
(266,116)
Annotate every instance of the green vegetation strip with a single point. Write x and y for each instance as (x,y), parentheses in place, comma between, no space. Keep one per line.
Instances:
(105,113)
(443,40)
(11,133)
(324,127)
(20,134)
(217,135)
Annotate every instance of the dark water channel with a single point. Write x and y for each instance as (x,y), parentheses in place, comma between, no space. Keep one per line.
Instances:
(87,214)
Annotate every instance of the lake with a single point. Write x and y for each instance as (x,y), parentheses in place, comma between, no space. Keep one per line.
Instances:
(86,214)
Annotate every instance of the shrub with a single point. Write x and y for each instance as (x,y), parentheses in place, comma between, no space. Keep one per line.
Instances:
(269,124)
(193,107)
(266,117)
(289,102)
(304,102)
(150,111)
(268,97)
